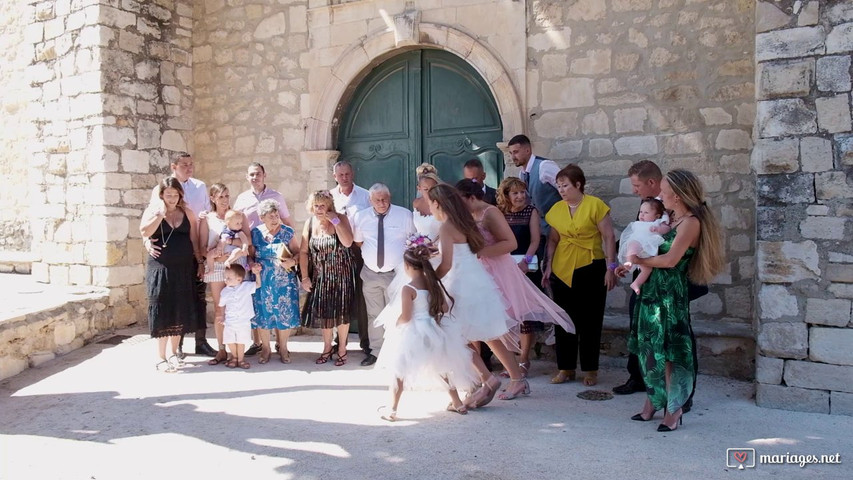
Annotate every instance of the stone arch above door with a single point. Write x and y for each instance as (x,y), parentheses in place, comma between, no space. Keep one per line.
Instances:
(358,59)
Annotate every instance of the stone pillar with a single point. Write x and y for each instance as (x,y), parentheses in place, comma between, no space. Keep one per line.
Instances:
(113,98)
(802,160)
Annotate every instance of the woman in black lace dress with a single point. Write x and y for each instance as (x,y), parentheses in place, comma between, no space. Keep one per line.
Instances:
(170,278)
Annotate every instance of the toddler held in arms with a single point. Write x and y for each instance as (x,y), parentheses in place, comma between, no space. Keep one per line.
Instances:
(643,237)
(233,244)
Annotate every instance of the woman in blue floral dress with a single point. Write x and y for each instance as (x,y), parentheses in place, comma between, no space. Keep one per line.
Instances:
(277,299)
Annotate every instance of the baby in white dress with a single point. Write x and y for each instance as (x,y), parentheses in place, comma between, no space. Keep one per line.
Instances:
(643,237)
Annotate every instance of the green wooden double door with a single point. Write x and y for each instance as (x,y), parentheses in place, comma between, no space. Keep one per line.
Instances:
(422,106)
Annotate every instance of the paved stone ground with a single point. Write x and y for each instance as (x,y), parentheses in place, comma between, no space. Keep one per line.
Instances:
(102,412)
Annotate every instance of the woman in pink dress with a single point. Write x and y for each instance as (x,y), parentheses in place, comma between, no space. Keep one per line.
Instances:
(525,302)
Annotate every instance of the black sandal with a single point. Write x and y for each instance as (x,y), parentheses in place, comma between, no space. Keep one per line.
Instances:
(324,357)
(341,361)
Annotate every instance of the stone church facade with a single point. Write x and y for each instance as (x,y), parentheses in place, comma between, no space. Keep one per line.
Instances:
(752,95)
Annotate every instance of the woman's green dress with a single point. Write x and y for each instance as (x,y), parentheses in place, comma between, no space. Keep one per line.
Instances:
(662,332)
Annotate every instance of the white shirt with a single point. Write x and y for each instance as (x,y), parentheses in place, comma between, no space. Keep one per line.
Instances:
(349,205)
(195,195)
(238,302)
(548,170)
(247,202)
(397,228)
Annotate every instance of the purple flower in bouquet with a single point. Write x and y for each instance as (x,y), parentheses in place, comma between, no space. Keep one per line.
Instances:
(419,239)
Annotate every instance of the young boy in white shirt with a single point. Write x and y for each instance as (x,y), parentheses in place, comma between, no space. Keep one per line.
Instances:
(236,297)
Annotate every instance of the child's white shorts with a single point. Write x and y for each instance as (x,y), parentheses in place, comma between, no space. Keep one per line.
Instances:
(237,334)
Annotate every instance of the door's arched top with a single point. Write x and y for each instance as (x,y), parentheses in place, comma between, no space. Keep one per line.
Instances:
(381,45)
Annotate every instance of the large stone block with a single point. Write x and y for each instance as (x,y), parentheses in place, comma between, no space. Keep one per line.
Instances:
(833,113)
(64,333)
(786,117)
(831,345)
(11,366)
(787,262)
(768,370)
(815,154)
(117,276)
(833,185)
(733,140)
(630,119)
(790,43)
(600,147)
(839,40)
(776,302)
(833,73)
(566,150)
(819,376)
(842,273)
(841,403)
(785,79)
(596,123)
(790,398)
(786,189)
(715,116)
(557,124)
(644,145)
(594,62)
(109,229)
(769,17)
(775,156)
(135,161)
(569,93)
(826,228)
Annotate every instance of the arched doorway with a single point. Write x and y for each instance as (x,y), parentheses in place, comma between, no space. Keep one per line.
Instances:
(420,106)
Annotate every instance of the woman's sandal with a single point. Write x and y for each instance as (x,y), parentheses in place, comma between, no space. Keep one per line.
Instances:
(231,363)
(524,367)
(324,357)
(178,362)
(509,394)
(387,414)
(461,409)
(285,357)
(244,365)
(221,357)
(262,359)
(483,395)
(590,378)
(168,367)
(563,376)
(342,360)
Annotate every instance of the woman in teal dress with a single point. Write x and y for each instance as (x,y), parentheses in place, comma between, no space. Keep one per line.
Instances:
(277,299)
(662,337)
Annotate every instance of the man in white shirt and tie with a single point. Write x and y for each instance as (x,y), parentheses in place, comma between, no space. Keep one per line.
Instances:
(381,232)
(198,199)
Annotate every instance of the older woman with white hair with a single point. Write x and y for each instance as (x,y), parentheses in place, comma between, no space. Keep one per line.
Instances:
(275,246)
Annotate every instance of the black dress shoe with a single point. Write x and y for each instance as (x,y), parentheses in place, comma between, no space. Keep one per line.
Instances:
(252,350)
(631,386)
(369,360)
(205,349)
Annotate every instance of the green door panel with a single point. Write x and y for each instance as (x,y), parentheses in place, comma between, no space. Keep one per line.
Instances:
(420,106)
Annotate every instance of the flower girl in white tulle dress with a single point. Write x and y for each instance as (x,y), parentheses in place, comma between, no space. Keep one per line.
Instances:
(643,237)
(420,350)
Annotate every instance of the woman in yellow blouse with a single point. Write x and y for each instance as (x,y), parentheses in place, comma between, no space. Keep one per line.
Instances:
(581,256)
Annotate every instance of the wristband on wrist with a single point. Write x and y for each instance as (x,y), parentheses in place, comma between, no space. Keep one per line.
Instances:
(335,221)
(612,266)
(528,259)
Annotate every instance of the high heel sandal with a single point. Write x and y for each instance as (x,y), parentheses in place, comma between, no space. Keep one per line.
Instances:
(178,362)
(639,417)
(524,390)
(342,360)
(324,357)
(666,428)
(563,376)
(169,368)
(590,378)
(484,394)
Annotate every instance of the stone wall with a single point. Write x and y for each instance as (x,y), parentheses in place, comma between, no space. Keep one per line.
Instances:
(250,87)
(803,159)
(16,129)
(113,90)
(34,338)
(611,83)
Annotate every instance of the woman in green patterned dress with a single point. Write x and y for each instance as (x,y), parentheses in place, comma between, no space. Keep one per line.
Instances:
(662,337)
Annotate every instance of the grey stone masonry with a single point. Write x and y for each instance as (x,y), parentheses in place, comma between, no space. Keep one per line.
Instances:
(804,189)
